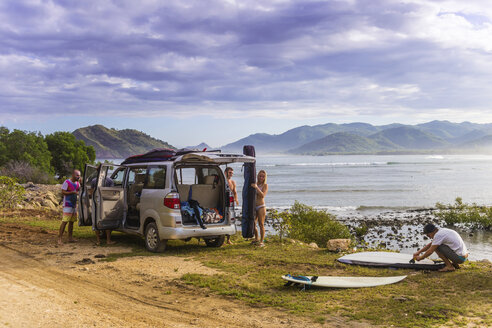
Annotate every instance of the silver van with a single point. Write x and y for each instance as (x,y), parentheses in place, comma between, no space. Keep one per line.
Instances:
(179,197)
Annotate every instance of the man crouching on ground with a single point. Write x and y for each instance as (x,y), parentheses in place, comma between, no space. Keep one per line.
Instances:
(447,244)
(70,189)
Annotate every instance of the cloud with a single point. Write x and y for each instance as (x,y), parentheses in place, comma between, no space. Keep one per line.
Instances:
(244,58)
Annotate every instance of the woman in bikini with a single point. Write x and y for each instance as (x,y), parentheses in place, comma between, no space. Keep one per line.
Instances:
(261,191)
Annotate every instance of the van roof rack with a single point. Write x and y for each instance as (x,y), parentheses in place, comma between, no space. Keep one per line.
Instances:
(164,154)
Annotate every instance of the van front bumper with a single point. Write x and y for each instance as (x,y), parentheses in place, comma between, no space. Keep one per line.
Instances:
(188,232)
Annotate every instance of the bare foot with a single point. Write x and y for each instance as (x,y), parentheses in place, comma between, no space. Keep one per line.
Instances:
(72,240)
(60,242)
(229,242)
(110,242)
(447,269)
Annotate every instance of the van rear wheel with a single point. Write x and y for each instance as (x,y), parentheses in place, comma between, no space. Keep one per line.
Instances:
(215,242)
(152,241)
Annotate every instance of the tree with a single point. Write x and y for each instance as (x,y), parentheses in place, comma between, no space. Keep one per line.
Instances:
(4,132)
(68,153)
(28,147)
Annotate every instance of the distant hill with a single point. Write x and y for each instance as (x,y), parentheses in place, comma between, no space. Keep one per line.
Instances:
(112,143)
(200,146)
(447,130)
(483,144)
(297,136)
(409,138)
(340,142)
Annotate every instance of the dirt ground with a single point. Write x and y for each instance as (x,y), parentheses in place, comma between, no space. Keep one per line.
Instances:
(45,285)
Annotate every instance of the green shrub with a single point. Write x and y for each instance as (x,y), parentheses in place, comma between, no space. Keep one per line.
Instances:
(472,215)
(310,225)
(280,221)
(11,193)
(361,231)
(24,172)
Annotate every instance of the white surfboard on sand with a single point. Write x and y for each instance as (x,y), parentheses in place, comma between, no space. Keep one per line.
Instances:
(388,259)
(343,282)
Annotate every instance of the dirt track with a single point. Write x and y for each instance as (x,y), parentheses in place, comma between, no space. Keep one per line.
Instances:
(43,286)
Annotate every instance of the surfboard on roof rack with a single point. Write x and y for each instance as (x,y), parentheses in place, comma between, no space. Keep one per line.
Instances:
(155,155)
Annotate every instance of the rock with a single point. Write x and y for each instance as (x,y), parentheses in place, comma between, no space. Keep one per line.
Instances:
(30,186)
(85,261)
(99,256)
(38,199)
(313,245)
(51,197)
(338,244)
(48,203)
(486,261)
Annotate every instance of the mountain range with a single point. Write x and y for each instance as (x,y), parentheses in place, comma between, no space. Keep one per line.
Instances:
(360,138)
(330,138)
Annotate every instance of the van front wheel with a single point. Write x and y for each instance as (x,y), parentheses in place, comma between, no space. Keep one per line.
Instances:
(215,242)
(152,241)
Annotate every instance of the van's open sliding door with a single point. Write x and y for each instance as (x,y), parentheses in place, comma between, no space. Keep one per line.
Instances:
(109,197)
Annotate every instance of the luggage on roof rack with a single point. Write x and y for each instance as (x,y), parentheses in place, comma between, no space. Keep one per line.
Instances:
(155,155)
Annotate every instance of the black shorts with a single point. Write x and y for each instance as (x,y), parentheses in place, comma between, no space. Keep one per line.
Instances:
(450,254)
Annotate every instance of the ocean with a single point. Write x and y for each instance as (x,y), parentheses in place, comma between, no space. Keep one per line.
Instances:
(365,182)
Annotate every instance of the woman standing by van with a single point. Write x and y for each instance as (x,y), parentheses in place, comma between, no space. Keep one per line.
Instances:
(261,187)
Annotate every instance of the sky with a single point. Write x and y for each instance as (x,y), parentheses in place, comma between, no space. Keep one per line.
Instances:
(215,71)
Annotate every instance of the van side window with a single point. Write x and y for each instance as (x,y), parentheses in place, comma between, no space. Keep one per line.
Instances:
(117,177)
(156,178)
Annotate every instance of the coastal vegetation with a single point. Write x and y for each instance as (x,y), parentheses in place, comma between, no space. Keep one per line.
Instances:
(318,226)
(304,223)
(30,156)
(11,193)
(470,215)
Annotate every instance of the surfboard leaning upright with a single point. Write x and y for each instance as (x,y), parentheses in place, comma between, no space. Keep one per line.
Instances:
(249,195)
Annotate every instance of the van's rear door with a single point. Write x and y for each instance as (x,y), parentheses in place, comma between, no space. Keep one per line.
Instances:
(109,197)
(85,197)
